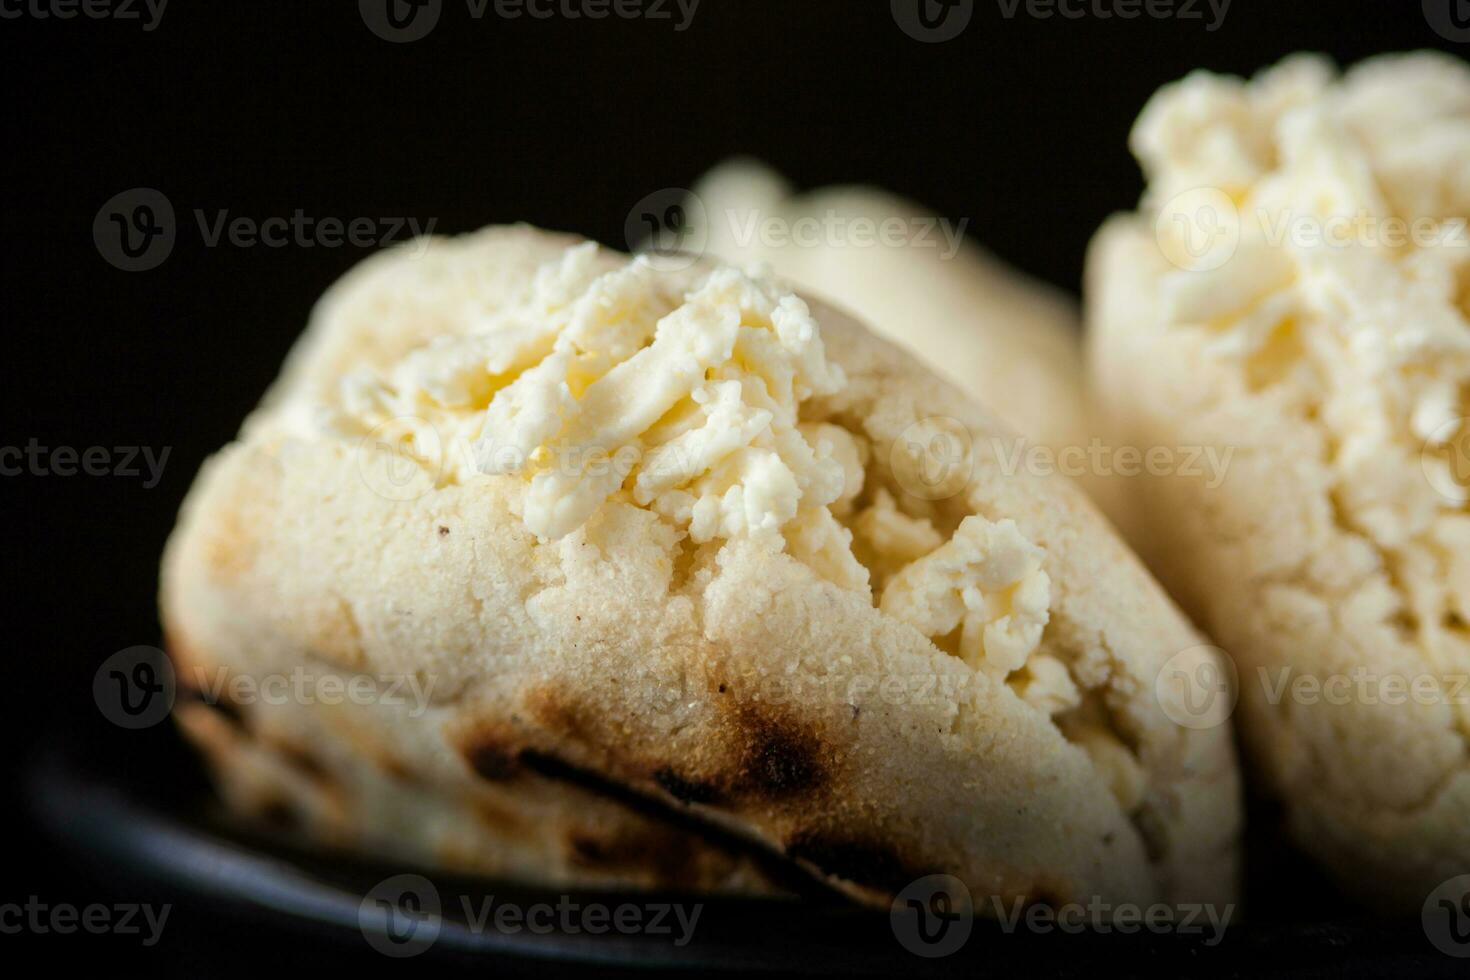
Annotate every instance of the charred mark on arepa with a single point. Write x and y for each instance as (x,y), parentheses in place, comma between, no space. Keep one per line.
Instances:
(560,714)
(767,753)
(301,759)
(276,812)
(491,760)
(498,817)
(395,768)
(777,867)
(778,755)
(685,790)
(492,751)
(187,666)
(221,705)
(667,853)
(589,851)
(863,862)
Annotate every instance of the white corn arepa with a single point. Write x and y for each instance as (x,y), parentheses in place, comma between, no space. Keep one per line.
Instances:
(706,586)
(1292,296)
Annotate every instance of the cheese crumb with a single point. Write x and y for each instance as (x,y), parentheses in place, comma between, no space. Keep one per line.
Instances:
(988,583)
(1345,292)
(676,393)
(681,393)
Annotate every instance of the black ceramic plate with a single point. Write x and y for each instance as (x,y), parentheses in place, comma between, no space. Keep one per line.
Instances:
(156,822)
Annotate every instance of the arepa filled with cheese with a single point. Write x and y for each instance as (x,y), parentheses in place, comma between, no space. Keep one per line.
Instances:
(711,587)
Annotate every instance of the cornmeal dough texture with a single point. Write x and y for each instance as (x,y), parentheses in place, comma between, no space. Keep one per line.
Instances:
(1293,291)
(692,597)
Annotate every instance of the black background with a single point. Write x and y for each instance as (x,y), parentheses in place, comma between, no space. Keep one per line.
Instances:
(1019,126)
